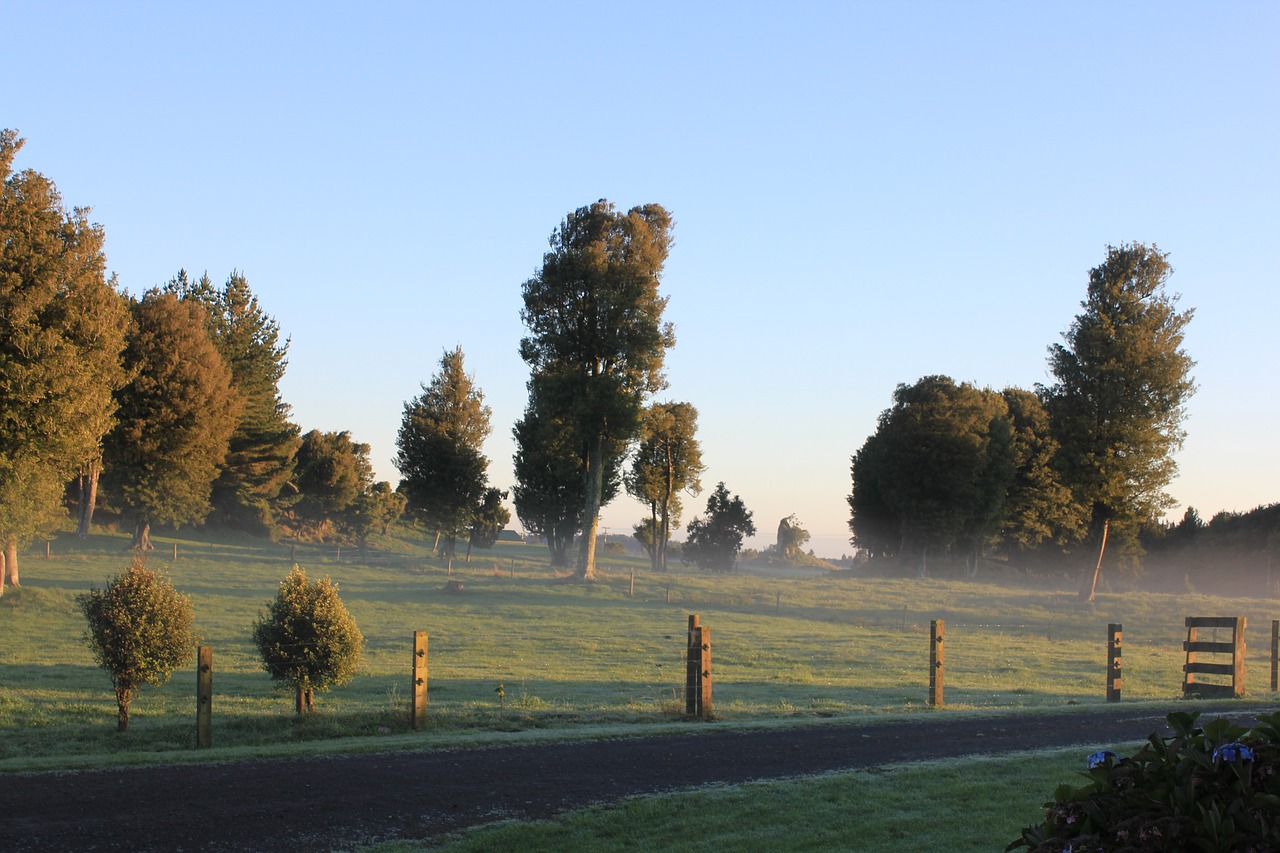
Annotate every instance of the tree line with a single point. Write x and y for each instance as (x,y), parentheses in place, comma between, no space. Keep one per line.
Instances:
(166,408)
(958,472)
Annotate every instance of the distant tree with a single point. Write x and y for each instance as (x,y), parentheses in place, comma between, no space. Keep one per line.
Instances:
(596,337)
(791,537)
(714,542)
(174,420)
(442,468)
(250,491)
(940,464)
(1122,382)
(1040,508)
(375,509)
(62,327)
(873,521)
(551,482)
(667,461)
(331,473)
(307,639)
(140,631)
(646,533)
(488,521)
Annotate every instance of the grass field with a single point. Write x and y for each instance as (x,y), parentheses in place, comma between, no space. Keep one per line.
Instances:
(975,805)
(572,658)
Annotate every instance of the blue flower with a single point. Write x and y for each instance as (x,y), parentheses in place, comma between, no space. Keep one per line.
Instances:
(1232,752)
(1099,758)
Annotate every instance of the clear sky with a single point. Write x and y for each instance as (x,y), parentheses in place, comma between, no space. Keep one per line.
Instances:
(864,194)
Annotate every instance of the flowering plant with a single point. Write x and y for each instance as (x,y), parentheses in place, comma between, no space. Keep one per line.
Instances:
(1215,787)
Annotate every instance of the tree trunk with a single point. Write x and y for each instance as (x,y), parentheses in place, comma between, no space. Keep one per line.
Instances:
(124,696)
(11,562)
(2,573)
(88,497)
(591,512)
(1097,569)
(304,699)
(657,559)
(142,536)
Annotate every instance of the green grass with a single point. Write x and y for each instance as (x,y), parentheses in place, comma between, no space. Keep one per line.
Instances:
(574,660)
(976,804)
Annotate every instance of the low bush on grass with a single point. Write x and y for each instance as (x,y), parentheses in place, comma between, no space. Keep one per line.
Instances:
(1210,788)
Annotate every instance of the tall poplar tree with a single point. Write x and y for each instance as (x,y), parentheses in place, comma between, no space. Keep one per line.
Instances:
(442,466)
(1122,382)
(597,341)
(62,327)
(176,416)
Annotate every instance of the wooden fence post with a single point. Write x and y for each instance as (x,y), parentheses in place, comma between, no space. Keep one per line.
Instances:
(1275,654)
(693,666)
(704,673)
(937,660)
(48,549)
(418,702)
(1115,637)
(204,697)
(175,552)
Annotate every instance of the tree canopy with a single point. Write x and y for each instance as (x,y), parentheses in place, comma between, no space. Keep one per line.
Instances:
(596,338)
(260,454)
(176,416)
(331,473)
(307,639)
(62,328)
(140,630)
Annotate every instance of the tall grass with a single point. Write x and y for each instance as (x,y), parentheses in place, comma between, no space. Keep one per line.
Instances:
(569,656)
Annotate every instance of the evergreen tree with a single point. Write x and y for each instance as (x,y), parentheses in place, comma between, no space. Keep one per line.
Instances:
(62,327)
(596,340)
(251,489)
(307,639)
(175,417)
(713,542)
(1122,382)
(140,630)
(442,468)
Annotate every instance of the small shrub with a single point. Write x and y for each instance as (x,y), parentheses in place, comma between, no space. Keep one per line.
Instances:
(1215,788)
(140,631)
(307,639)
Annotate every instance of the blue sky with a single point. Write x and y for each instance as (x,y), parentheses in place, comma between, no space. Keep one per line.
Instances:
(864,194)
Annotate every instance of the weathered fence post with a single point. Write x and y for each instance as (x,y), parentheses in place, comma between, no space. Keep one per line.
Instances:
(204,697)
(1275,654)
(704,673)
(693,665)
(418,700)
(937,660)
(1115,637)
(48,549)
(175,552)
(631,591)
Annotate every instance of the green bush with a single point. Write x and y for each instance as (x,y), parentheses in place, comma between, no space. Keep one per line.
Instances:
(1215,788)
(140,631)
(307,639)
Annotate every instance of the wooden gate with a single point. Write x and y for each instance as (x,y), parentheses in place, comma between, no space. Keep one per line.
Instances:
(1230,657)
